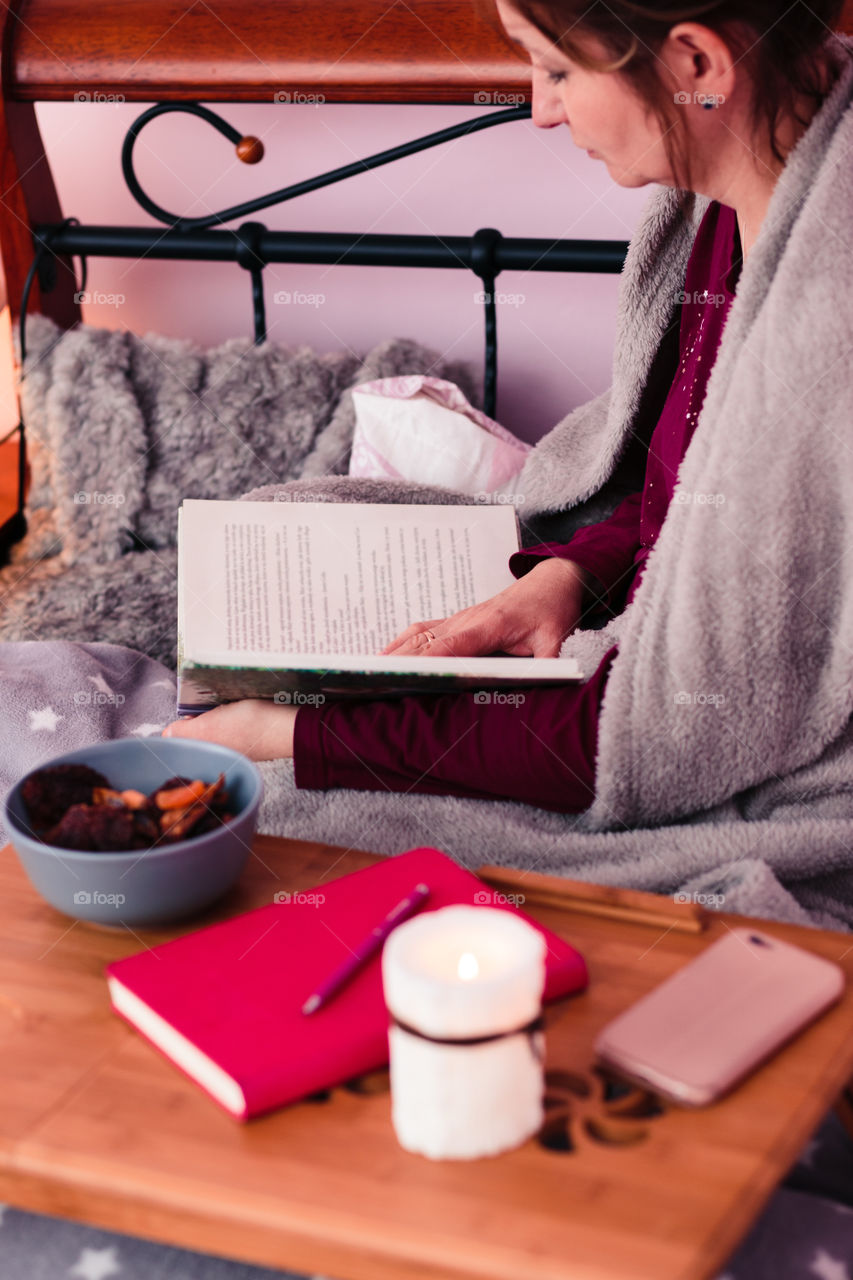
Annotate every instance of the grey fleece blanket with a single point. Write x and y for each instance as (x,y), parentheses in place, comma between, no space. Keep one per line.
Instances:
(725,762)
(725,758)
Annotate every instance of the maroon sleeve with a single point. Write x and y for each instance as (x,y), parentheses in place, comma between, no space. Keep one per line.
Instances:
(533,745)
(606,549)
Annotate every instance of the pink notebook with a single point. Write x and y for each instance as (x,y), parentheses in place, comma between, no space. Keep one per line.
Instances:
(225,1003)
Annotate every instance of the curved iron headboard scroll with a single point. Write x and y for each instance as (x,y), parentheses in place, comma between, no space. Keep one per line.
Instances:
(297,188)
(484,243)
(252,246)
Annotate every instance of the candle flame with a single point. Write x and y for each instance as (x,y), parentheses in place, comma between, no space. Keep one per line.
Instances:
(468,966)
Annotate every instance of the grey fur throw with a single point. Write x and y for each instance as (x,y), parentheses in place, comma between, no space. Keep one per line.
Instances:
(121,428)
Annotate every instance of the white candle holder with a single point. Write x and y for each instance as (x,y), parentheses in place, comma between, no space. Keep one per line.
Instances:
(463,987)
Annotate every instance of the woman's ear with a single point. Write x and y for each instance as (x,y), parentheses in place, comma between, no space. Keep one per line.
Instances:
(701,64)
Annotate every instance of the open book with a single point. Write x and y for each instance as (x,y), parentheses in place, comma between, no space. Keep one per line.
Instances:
(293,600)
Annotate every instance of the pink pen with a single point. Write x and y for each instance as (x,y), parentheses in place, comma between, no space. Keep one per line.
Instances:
(366,949)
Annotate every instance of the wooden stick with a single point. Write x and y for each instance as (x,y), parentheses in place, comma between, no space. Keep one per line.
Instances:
(598,899)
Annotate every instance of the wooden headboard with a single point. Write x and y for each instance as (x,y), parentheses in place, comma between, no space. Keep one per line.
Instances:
(248,50)
(419,51)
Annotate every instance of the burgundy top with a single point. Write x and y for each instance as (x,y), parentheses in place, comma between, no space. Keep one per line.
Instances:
(615,550)
(540,750)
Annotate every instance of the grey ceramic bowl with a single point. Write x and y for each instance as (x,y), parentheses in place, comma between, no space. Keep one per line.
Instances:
(144,887)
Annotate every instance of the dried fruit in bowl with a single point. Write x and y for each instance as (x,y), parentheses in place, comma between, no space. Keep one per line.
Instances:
(49,792)
(80,810)
(94,828)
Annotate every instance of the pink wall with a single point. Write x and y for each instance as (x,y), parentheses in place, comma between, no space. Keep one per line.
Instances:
(555,338)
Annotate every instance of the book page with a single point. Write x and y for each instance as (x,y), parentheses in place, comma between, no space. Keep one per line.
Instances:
(293,578)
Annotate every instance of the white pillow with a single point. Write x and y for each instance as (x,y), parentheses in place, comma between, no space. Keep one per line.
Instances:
(423,429)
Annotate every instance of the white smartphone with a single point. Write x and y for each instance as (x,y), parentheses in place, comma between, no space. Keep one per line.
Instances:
(705,1028)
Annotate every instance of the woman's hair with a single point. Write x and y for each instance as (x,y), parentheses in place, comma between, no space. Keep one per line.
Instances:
(783,50)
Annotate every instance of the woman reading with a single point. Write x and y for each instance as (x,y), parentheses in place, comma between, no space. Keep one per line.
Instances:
(711,103)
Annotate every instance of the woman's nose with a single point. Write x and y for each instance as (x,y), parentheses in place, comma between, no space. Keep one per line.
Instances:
(547,106)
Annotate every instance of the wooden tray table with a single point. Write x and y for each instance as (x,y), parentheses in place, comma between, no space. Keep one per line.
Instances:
(95,1125)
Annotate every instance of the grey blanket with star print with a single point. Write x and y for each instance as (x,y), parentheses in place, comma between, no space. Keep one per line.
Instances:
(56,696)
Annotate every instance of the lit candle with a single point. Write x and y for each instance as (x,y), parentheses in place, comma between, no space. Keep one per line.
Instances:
(463,987)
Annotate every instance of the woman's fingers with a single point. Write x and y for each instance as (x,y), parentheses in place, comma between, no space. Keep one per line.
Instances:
(424,641)
(451,640)
(481,628)
(531,617)
(417,629)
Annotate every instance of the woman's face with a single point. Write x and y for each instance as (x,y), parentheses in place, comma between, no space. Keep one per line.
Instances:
(605,116)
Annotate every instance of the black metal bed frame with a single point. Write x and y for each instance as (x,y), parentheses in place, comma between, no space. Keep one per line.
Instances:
(252,246)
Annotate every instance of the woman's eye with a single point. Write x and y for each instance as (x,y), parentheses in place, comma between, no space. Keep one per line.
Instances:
(556,77)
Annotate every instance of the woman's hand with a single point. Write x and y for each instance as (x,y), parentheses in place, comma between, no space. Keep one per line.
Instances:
(533,616)
(259,729)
